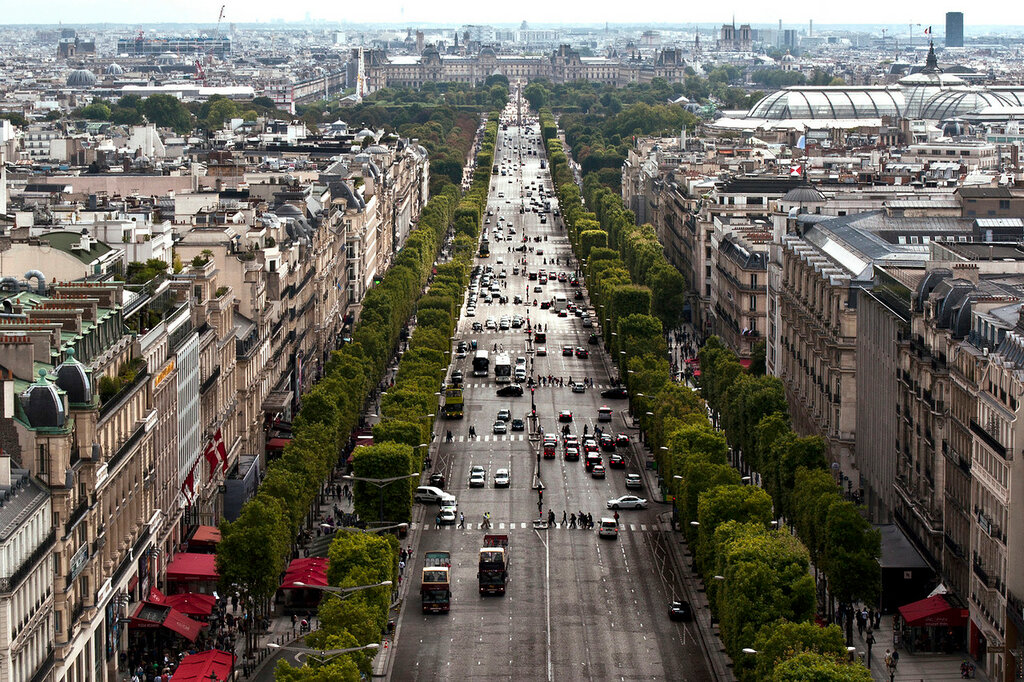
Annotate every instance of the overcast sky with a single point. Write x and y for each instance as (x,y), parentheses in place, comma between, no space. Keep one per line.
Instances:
(453,12)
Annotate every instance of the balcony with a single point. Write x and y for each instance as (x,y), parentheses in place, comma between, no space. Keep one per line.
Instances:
(991,582)
(44,669)
(988,439)
(210,381)
(119,398)
(76,516)
(127,446)
(10,583)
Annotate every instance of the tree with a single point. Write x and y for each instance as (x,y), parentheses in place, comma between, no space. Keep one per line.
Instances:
(251,553)
(385,460)
(536,95)
(851,551)
(97,111)
(167,111)
(757,358)
(812,667)
(780,641)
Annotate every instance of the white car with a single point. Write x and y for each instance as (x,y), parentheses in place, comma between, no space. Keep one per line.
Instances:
(448,515)
(633,481)
(628,502)
(490,323)
(502,479)
(500,427)
(471,311)
(477,480)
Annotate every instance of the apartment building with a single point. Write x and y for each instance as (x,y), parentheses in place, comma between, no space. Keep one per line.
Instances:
(26,575)
(739,282)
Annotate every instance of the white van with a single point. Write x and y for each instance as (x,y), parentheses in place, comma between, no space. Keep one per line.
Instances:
(432,495)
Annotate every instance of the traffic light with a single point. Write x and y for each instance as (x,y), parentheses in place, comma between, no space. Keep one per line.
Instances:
(540,495)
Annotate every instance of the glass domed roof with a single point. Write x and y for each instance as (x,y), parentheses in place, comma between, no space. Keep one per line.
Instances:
(829,103)
(81,78)
(957,102)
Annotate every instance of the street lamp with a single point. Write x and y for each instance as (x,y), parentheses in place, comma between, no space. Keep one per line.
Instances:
(695,523)
(342,592)
(322,656)
(748,650)
(381,483)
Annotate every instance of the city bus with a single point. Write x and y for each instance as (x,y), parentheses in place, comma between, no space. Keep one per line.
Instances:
(560,302)
(503,368)
(481,363)
(453,402)
(485,248)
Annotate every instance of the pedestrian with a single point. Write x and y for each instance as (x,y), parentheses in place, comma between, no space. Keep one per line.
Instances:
(616,517)
(564,519)
(870,642)
(462,520)
(401,567)
(437,521)
(572,521)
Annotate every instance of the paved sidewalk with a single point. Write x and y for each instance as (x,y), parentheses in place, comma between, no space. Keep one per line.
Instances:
(911,667)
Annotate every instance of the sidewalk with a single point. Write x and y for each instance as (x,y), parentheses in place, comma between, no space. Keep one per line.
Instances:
(911,667)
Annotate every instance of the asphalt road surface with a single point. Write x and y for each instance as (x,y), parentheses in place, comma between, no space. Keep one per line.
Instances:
(578,606)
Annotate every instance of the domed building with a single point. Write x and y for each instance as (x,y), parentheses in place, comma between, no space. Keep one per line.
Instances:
(958,102)
(929,94)
(829,103)
(44,404)
(168,59)
(81,78)
(114,69)
(920,87)
(73,379)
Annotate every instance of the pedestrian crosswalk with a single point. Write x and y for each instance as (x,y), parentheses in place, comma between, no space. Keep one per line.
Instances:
(528,525)
(489,438)
(491,384)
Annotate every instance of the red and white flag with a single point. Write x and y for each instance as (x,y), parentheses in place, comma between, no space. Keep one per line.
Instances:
(795,170)
(928,31)
(210,453)
(222,450)
(188,487)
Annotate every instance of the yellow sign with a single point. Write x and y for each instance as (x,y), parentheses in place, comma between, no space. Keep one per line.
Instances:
(163,374)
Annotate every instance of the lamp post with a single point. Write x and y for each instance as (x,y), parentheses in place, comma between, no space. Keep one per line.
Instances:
(381,483)
(323,656)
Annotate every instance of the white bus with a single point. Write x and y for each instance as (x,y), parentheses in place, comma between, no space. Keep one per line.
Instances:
(481,363)
(503,368)
(560,302)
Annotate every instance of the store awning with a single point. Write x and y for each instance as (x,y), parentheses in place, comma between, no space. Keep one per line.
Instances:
(278,443)
(745,363)
(207,535)
(199,667)
(150,615)
(310,571)
(191,566)
(191,603)
(933,612)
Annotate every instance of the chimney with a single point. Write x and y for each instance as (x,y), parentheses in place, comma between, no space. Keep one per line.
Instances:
(5,471)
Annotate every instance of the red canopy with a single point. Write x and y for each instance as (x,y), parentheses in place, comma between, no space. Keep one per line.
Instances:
(207,535)
(189,566)
(192,603)
(745,363)
(150,615)
(278,443)
(198,667)
(311,571)
(933,611)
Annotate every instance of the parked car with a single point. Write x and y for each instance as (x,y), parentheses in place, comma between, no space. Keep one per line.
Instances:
(437,480)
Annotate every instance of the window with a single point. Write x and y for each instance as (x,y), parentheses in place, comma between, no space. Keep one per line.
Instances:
(1004,204)
(753,280)
(753,303)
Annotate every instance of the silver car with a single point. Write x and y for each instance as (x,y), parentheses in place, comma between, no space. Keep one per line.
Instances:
(628,502)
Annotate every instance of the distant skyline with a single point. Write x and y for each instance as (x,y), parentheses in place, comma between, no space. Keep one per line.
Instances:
(454,12)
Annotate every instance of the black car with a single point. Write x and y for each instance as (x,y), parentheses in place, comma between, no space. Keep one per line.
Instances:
(680,610)
(616,392)
(518,425)
(582,352)
(510,391)
(616,462)
(456,377)
(437,480)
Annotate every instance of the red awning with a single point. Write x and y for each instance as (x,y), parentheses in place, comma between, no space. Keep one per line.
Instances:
(156,596)
(199,667)
(745,363)
(178,622)
(696,372)
(278,443)
(933,612)
(311,571)
(189,566)
(150,615)
(207,535)
(191,603)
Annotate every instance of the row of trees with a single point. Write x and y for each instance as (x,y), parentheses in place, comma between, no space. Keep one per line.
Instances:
(758,576)
(406,422)
(754,413)
(167,111)
(256,547)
